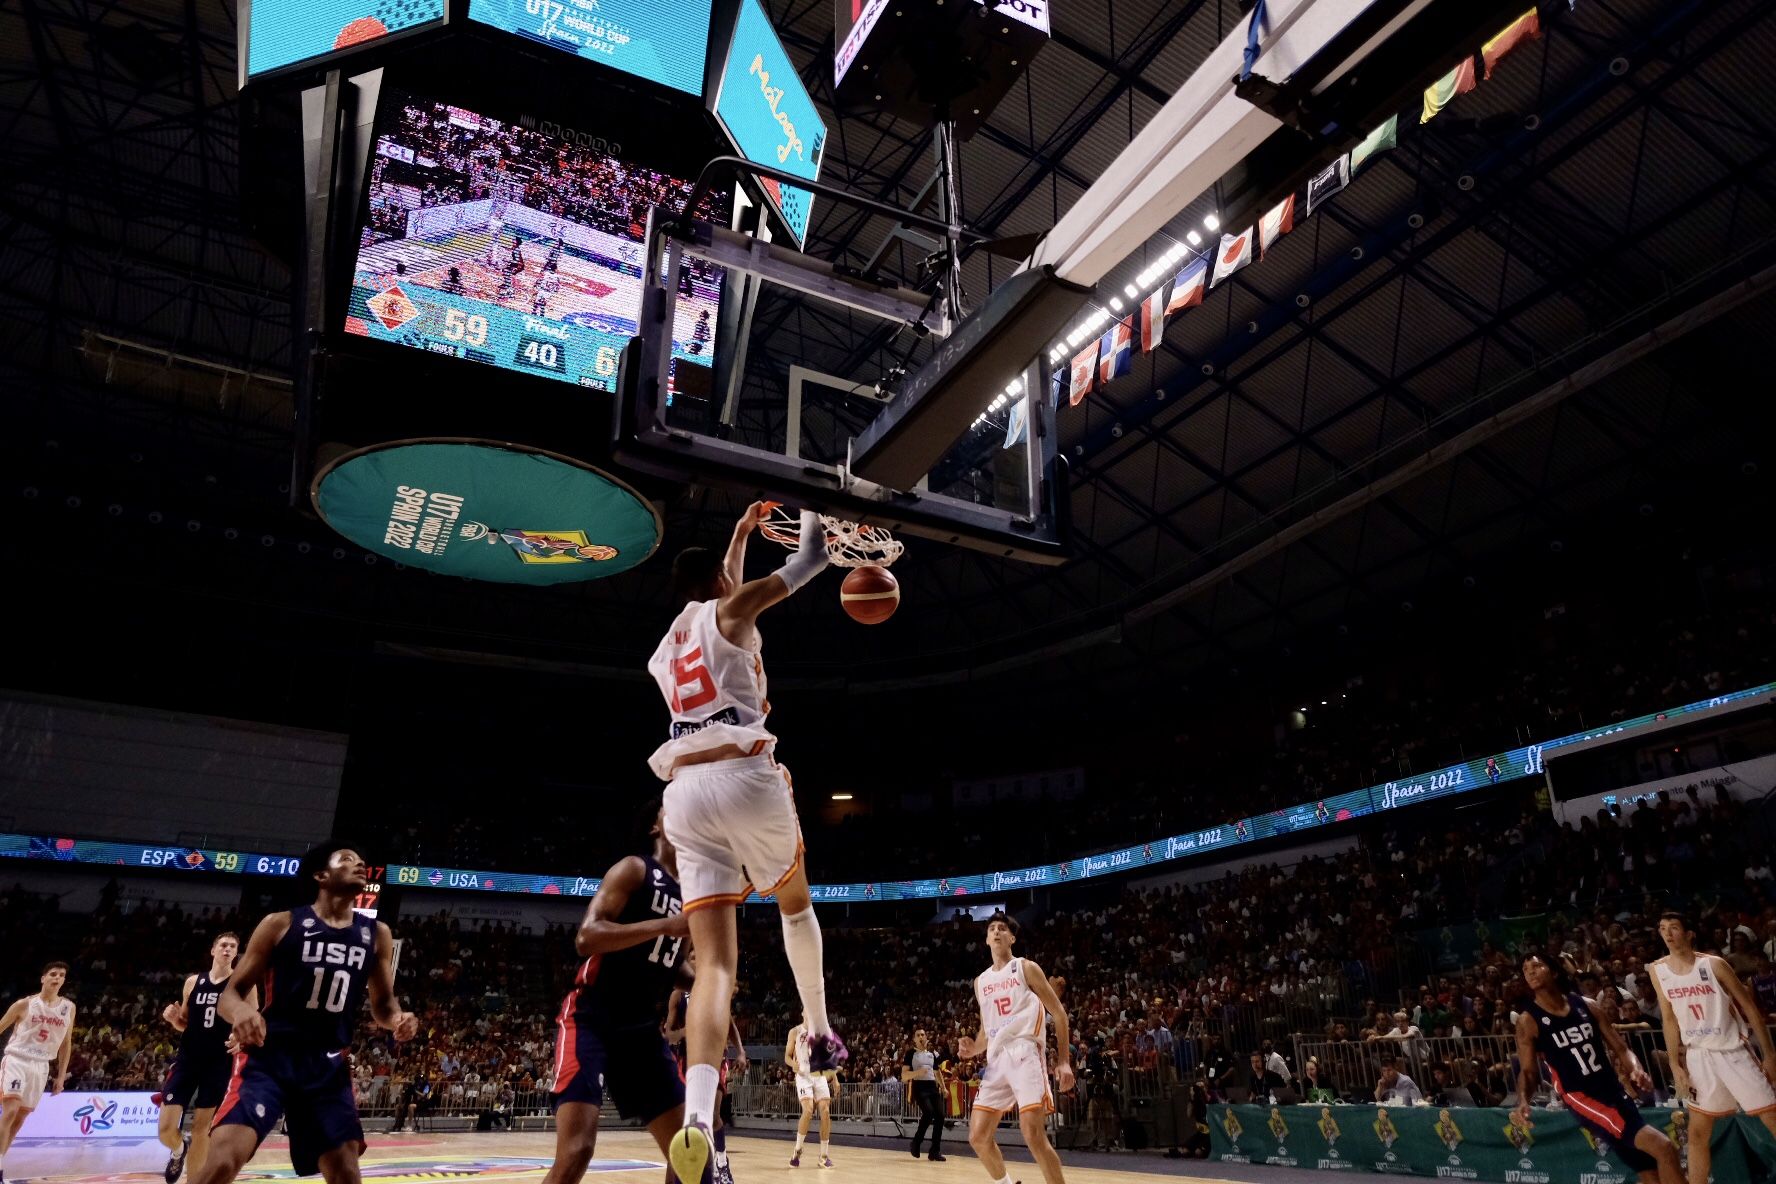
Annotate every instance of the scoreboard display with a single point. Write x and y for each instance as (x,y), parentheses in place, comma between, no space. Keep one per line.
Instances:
(485,240)
(281,33)
(662,41)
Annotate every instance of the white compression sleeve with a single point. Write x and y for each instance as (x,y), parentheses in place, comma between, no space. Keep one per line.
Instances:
(810,558)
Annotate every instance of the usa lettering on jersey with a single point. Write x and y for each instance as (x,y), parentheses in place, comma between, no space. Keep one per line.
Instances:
(333,953)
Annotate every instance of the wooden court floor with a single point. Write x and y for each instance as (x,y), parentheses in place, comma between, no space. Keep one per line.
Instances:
(624,1157)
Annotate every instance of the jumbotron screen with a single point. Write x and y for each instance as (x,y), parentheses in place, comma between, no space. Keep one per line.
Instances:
(487,241)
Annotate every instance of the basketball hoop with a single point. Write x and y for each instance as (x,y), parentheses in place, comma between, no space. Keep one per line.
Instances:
(848,544)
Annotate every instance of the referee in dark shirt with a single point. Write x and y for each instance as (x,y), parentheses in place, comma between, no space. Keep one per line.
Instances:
(920,1068)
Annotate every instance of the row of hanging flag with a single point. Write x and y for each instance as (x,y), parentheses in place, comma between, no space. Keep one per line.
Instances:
(1111,356)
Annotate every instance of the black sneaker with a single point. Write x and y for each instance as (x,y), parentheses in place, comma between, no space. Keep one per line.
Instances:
(175,1163)
(936,1158)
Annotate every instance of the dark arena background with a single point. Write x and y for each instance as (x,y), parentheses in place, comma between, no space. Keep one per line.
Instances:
(1326,450)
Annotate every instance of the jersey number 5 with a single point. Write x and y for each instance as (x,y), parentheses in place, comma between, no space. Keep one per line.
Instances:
(689,671)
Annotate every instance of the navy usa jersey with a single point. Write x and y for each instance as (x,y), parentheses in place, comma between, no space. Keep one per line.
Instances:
(206,1033)
(1573,1047)
(627,988)
(319,976)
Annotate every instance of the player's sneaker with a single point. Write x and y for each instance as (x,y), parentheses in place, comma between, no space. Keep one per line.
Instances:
(176,1162)
(692,1151)
(723,1174)
(795,1161)
(826,1053)
(826,1161)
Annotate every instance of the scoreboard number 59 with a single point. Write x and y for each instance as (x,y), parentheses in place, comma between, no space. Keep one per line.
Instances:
(469,328)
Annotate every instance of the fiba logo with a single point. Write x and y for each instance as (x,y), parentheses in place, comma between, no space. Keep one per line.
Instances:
(96,1115)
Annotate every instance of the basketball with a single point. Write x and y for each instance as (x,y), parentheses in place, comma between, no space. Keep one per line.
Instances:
(870,595)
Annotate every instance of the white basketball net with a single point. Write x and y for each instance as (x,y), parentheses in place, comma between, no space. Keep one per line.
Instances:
(848,544)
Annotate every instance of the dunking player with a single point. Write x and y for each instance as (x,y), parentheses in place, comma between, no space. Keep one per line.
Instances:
(729,808)
(316,962)
(40,1025)
(1015,999)
(1707,1013)
(1588,1061)
(676,1007)
(813,1090)
(199,1076)
(608,1032)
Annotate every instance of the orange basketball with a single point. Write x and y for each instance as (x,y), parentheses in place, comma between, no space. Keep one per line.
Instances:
(870,595)
(365,28)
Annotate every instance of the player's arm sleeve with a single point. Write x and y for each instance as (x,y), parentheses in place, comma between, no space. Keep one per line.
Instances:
(1748,1006)
(233,1003)
(809,558)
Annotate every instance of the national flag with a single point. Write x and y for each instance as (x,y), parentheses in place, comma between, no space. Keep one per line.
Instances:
(1331,180)
(1188,287)
(1017,423)
(1116,350)
(1153,320)
(1527,27)
(1277,223)
(1380,140)
(1234,253)
(1084,373)
(1442,92)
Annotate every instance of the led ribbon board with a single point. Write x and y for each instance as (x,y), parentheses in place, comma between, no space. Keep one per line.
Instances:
(765,110)
(662,41)
(287,33)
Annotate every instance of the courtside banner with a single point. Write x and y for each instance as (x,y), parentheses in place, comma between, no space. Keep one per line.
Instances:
(487,511)
(85,1114)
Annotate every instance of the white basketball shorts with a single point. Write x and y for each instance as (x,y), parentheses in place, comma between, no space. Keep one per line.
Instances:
(735,828)
(24,1080)
(1016,1079)
(813,1087)
(1726,1080)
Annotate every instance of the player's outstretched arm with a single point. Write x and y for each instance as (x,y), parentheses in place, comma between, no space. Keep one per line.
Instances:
(1674,1046)
(1044,990)
(1627,1065)
(179,1014)
(1528,1063)
(385,1009)
(602,933)
(1747,1004)
(13,1014)
(61,1073)
(237,1003)
(740,611)
(735,560)
(789,1047)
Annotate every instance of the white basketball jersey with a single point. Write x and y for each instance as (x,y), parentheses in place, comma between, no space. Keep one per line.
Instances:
(39,1035)
(1009,1009)
(1704,1010)
(714,689)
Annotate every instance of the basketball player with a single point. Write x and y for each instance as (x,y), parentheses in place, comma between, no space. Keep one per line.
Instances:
(1707,1012)
(1015,1001)
(608,1032)
(200,1072)
(730,812)
(1587,1060)
(676,1007)
(317,962)
(812,1090)
(40,1025)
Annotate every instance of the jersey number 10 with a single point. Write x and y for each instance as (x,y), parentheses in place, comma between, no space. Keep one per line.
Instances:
(337,990)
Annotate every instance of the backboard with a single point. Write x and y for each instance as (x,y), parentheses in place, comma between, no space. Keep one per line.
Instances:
(810,360)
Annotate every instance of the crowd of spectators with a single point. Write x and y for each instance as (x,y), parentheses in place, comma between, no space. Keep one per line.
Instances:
(440,155)
(1233,982)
